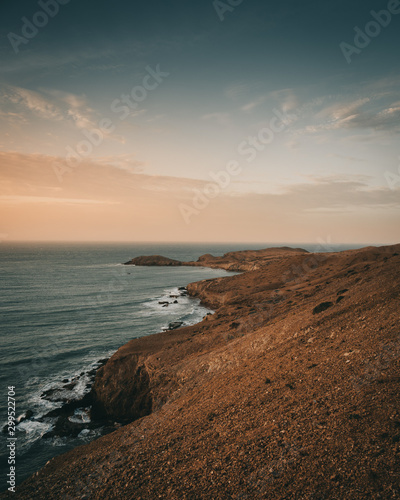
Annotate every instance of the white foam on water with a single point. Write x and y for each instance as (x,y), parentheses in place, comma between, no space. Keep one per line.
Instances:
(80,416)
(59,441)
(187,309)
(33,430)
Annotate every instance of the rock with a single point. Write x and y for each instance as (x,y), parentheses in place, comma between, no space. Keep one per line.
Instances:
(175,302)
(26,416)
(339,299)
(153,260)
(64,427)
(112,402)
(50,393)
(322,307)
(68,408)
(70,386)
(174,325)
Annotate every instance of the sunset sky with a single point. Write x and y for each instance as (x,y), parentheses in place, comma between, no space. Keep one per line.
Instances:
(248,121)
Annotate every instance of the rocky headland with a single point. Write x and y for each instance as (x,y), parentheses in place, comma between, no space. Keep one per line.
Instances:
(290,390)
(245,260)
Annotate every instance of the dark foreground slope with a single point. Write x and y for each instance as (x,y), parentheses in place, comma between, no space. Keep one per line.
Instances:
(289,391)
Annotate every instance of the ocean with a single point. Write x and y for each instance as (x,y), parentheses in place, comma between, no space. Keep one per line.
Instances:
(65,307)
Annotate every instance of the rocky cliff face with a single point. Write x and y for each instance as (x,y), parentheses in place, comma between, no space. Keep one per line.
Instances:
(289,390)
(121,391)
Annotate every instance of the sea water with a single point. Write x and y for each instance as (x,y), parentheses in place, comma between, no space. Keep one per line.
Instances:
(64,307)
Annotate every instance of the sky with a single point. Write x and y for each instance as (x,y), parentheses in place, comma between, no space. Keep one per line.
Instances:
(217,121)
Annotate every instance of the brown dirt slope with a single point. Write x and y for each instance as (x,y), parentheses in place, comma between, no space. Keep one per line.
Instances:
(289,391)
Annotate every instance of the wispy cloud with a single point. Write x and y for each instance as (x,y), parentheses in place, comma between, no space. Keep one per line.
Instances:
(287,99)
(51,200)
(374,107)
(34,102)
(253,104)
(127,162)
(222,119)
(25,105)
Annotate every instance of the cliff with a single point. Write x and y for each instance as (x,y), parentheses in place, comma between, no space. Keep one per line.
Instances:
(289,390)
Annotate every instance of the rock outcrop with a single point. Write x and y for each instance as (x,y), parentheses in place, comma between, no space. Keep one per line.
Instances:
(245,260)
(153,260)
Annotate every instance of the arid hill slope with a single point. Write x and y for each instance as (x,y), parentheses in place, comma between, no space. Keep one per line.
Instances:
(289,391)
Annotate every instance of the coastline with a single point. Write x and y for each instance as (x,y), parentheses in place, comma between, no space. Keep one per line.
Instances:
(69,345)
(163,381)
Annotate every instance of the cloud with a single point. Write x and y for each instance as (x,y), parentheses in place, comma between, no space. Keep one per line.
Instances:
(287,99)
(349,158)
(253,104)
(293,144)
(237,90)
(101,201)
(51,200)
(222,119)
(52,106)
(34,102)
(126,162)
(356,115)
(108,179)
(347,193)
(377,113)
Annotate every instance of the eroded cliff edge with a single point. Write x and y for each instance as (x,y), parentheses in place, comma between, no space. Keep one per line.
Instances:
(290,390)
